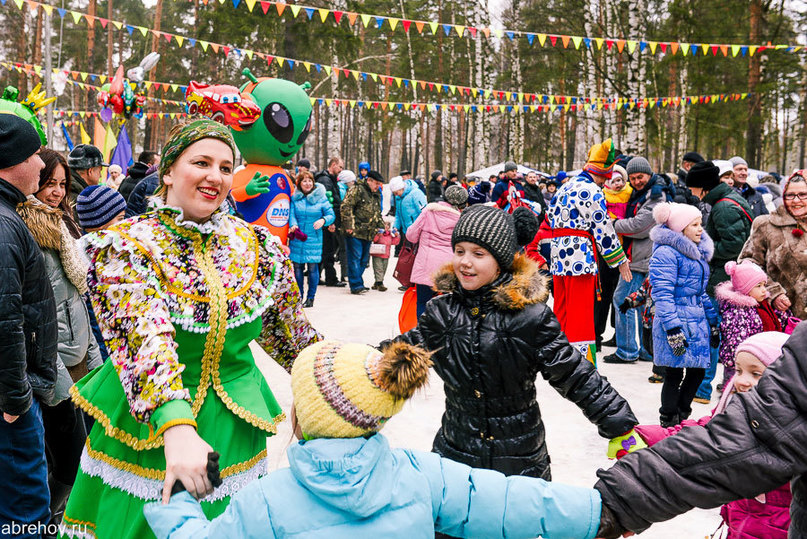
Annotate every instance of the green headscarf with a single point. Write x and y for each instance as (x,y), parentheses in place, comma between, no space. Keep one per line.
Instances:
(194,131)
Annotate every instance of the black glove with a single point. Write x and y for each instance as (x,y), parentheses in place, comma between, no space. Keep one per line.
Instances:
(677,341)
(609,527)
(212,474)
(714,337)
(624,306)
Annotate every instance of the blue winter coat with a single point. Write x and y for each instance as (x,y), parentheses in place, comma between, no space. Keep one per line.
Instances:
(305,210)
(679,273)
(355,488)
(408,206)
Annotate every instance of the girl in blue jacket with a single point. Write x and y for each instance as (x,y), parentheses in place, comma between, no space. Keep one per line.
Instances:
(344,481)
(685,321)
(310,212)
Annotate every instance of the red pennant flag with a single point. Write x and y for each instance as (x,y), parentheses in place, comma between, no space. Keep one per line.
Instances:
(269,60)
(487,108)
(167,37)
(390,80)
(431,86)
(553,40)
(104,22)
(714,50)
(609,43)
(265,6)
(472,29)
(347,73)
(501,96)
(406,23)
(663,47)
(337,15)
(573,108)
(226,50)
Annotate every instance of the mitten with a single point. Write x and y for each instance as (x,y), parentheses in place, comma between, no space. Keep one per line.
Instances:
(714,337)
(677,341)
(257,185)
(624,306)
(622,445)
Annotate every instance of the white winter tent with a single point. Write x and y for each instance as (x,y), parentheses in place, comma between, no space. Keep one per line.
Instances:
(485,173)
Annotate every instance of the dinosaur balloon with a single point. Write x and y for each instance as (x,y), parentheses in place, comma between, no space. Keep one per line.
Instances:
(262,189)
(27,108)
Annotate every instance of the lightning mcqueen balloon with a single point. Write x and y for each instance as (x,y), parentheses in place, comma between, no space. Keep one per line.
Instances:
(222,103)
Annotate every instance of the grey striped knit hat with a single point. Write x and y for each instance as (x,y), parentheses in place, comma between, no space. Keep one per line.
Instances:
(97,205)
(490,228)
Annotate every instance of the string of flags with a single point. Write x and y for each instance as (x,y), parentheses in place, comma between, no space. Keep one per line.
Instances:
(60,114)
(36,70)
(408,26)
(335,71)
(538,103)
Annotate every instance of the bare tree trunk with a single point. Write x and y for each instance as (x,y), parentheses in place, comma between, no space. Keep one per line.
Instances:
(802,115)
(754,136)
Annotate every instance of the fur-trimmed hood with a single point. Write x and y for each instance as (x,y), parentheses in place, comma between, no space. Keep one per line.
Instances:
(316,196)
(661,235)
(43,221)
(440,206)
(726,293)
(525,285)
(50,232)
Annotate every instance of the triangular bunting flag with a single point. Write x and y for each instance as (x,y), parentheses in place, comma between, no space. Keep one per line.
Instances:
(323,14)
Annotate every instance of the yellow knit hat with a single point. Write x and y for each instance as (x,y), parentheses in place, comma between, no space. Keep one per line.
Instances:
(347,390)
(601,158)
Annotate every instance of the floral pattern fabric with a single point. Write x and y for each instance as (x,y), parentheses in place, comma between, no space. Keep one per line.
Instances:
(148,276)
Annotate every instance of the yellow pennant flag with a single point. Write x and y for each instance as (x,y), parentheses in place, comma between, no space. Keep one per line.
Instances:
(84,75)
(249,53)
(653,45)
(365,19)
(85,137)
(632,46)
(460,30)
(323,14)
(110,141)
(433,25)
(577,40)
(735,49)
(295,9)
(75,14)
(393,22)
(542,39)
(204,45)
(117,24)
(179,39)
(327,70)
(143,30)
(598,41)
(250,4)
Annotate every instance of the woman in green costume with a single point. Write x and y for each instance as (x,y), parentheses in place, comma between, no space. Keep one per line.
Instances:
(179,293)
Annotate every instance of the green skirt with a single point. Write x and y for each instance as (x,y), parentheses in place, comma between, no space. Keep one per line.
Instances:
(123,464)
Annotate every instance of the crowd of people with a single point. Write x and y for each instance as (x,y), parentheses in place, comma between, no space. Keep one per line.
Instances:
(128,307)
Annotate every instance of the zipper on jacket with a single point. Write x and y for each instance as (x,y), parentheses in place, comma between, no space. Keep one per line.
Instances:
(69,320)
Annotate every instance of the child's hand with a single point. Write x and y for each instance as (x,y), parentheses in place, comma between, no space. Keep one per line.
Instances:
(677,341)
(622,445)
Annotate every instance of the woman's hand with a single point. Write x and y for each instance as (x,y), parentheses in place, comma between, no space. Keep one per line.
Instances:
(319,224)
(293,228)
(186,461)
(781,303)
(332,228)
(8,418)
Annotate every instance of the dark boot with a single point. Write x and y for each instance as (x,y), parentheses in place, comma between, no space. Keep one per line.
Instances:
(667,421)
(380,287)
(308,303)
(59,493)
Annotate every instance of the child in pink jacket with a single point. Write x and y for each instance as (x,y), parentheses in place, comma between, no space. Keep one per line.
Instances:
(768,515)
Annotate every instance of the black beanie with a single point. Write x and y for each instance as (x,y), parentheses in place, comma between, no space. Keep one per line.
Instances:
(490,228)
(18,140)
(704,175)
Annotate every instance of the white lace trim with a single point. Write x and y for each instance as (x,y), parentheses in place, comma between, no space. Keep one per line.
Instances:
(151,489)
(208,227)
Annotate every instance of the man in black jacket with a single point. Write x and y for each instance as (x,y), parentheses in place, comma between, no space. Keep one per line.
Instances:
(137,172)
(756,445)
(332,240)
(28,337)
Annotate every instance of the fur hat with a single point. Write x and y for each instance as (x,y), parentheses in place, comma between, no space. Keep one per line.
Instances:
(745,276)
(347,390)
(675,216)
(704,175)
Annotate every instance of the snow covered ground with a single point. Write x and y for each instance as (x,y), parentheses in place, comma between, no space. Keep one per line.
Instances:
(576,449)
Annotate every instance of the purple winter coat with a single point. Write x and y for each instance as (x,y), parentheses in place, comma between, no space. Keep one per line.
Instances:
(738,320)
(432,231)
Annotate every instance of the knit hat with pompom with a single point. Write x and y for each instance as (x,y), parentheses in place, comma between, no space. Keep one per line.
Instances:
(675,216)
(496,230)
(347,390)
(745,276)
